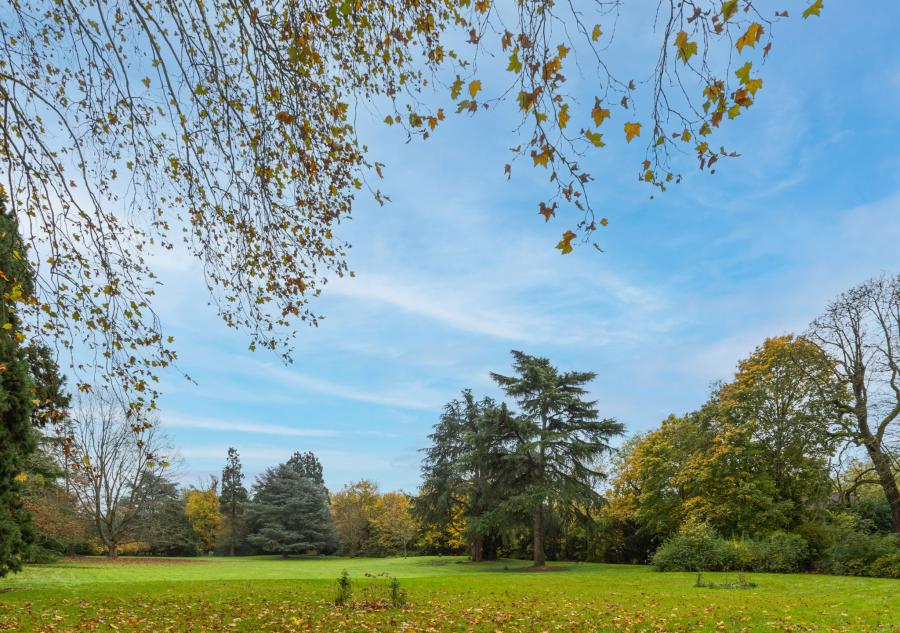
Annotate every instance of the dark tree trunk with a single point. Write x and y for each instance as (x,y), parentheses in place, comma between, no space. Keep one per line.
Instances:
(883,468)
(539,559)
(477,548)
(113,552)
(231,549)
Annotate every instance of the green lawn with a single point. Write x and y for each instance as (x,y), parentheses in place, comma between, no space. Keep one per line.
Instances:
(445,594)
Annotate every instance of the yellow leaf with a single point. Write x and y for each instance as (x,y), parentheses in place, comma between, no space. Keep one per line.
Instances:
(474,87)
(146,82)
(515,65)
(599,113)
(7,326)
(604,222)
(595,138)
(686,49)
(596,32)
(753,85)
(565,244)
(743,73)
(562,51)
(814,9)
(456,88)
(648,176)
(729,8)
(686,136)
(750,37)
(563,116)
(632,130)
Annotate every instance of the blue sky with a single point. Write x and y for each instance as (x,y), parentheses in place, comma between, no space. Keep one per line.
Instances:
(460,268)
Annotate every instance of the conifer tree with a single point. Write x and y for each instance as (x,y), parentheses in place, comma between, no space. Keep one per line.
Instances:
(233,501)
(289,514)
(17,438)
(559,436)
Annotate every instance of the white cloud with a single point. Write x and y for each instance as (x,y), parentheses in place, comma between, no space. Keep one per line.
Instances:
(188,422)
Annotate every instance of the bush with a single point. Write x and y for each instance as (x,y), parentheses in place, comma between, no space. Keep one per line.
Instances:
(887,566)
(688,550)
(860,554)
(696,547)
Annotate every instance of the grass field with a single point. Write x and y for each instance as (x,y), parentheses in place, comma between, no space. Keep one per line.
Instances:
(444,594)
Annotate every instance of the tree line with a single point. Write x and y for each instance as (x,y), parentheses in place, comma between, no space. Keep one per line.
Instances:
(795,458)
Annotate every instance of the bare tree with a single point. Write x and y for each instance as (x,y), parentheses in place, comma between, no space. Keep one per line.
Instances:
(111,462)
(860,331)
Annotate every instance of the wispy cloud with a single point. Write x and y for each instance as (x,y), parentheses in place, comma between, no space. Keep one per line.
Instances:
(215,424)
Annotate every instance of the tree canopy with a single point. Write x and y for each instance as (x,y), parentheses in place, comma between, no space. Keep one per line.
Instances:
(232,129)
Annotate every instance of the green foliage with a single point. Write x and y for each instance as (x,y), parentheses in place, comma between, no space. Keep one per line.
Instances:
(163,521)
(697,547)
(398,594)
(856,553)
(16,437)
(289,514)
(462,472)
(345,589)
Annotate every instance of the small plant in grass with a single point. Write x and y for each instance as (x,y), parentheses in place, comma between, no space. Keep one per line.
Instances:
(742,582)
(344,590)
(398,594)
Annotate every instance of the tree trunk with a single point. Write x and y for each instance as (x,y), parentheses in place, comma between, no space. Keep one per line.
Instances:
(231,549)
(882,464)
(539,559)
(113,551)
(477,549)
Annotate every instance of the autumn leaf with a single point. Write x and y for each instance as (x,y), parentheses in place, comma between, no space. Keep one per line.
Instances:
(474,87)
(686,49)
(743,73)
(753,85)
(526,100)
(595,138)
(547,212)
(814,9)
(599,113)
(686,136)
(729,8)
(632,130)
(543,157)
(515,65)
(604,222)
(596,32)
(456,88)
(750,37)
(285,117)
(563,116)
(565,244)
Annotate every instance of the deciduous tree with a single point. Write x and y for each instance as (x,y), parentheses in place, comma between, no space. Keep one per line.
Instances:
(860,332)
(129,127)
(202,509)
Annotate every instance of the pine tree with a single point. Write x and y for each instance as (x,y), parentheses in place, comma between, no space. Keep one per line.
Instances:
(233,500)
(558,438)
(289,514)
(17,438)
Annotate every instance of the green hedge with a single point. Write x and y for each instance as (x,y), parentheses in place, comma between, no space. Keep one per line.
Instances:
(697,547)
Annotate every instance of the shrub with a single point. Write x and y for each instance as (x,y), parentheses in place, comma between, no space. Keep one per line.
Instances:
(887,566)
(855,553)
(696,547)
(688,550)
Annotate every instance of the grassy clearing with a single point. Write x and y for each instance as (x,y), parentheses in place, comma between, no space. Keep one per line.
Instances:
(269,594)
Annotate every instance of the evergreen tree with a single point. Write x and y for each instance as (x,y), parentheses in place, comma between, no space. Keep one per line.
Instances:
(233,500)
(289,513)
(163,521)
(309,466)
(17,439)
(559,437)
(461,471)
